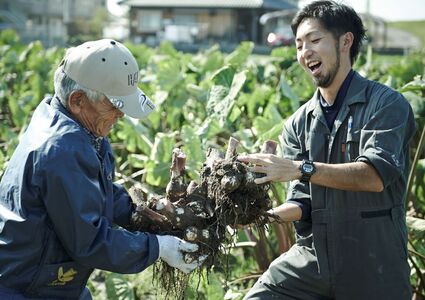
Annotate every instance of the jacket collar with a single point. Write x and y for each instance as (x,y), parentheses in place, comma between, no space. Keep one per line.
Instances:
(57,104)
(356,93)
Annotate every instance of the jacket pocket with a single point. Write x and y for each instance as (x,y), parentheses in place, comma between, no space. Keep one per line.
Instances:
(62,280)
(352,145)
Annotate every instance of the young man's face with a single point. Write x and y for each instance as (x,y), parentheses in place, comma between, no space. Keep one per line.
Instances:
(317,52)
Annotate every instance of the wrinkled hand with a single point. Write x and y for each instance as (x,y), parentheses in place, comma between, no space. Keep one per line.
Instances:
(172,249)
(276,168)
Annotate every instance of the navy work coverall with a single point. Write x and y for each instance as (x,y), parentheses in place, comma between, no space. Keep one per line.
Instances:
(355,244)
(58,205)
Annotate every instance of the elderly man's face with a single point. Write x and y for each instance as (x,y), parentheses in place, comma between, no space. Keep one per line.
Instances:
(99,116)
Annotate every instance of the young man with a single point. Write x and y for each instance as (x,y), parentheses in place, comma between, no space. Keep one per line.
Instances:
(59,206)
(346,158)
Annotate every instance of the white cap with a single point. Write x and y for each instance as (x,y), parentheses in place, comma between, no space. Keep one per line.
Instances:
(108,67)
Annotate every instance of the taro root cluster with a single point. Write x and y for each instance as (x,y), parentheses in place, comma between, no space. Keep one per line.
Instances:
(200,212)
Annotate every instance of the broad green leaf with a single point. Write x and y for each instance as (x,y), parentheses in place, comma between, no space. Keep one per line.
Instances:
(271,119)
(208,60)
(272,114)
(214,287)
(157,173)
(223,94)
(256,99)
(163,146)
(167,49)
(197,92)
(137,161)
(239,56)
(418,84)
(272,134)
(224,76)
(214,60)
(210,128)
(9,37)
(235,114)
(160,97)
(289,53)
(118,287)
(288,93)
(193,148)
(417,102)
(169,74)
(416,227)
(135,135)
(245,137)
(391,82)
(141,52)
(262,125)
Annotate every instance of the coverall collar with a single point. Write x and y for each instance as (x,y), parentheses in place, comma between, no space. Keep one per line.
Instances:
(356,93)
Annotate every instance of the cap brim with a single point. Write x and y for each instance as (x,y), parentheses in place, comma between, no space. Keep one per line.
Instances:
(137,105)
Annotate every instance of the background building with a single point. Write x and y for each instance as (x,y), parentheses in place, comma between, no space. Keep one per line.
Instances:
(53,21)
(200,22)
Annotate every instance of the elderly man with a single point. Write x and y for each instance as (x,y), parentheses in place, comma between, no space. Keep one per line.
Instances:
(59,206)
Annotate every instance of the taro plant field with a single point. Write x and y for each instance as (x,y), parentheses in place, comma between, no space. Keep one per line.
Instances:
(204,99)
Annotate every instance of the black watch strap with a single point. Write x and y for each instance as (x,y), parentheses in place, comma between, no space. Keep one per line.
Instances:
(307,169)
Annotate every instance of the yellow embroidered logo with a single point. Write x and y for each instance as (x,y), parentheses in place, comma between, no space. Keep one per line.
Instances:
(63,278)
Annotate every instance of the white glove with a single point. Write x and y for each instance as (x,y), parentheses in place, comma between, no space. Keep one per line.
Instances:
(171,250)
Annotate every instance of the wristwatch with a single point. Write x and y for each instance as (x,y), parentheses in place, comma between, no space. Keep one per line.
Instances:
(307,169)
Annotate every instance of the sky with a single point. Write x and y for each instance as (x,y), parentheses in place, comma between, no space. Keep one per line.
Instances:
(389,10)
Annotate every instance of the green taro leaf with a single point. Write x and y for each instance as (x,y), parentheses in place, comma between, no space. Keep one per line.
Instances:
(210,128)
(163,147)
(135,135)
(158,166)
(223,93)
(418,84)
(240,55)
(416,227)
(157,173)
(192,146)
(417,102)
(169,74)
(118,287)
(214,287)
(288,93)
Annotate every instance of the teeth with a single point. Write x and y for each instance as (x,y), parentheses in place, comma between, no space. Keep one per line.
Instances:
(312,64)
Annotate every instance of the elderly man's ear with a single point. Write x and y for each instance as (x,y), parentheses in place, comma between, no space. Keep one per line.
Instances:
(76,102)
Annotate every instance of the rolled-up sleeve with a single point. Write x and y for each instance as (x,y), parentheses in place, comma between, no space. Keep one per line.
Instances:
(385,136)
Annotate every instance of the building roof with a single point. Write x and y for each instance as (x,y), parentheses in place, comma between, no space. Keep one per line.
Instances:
(268,4)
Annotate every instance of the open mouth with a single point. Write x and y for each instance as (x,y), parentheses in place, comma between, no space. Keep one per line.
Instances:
(314,65)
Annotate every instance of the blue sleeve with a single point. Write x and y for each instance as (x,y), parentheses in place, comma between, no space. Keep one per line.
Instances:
(123,206)
(75,203)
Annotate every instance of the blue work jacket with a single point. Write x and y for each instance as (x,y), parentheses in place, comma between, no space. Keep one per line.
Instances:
(59,211)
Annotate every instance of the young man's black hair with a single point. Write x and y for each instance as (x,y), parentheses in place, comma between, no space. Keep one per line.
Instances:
(336,18)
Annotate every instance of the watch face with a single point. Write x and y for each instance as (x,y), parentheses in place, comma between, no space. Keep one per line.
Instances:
(307,168)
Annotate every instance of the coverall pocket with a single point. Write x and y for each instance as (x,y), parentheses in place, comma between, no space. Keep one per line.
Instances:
(352,145)
(62,280)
